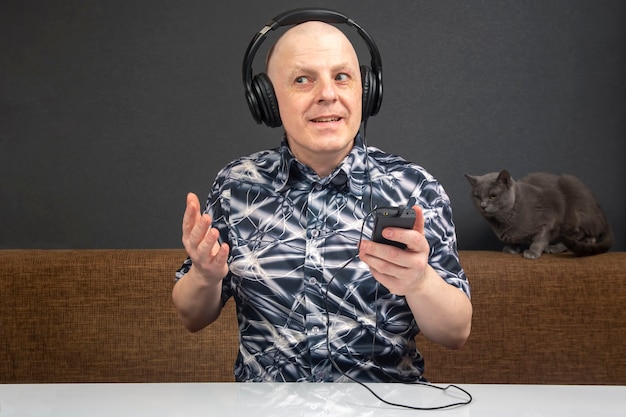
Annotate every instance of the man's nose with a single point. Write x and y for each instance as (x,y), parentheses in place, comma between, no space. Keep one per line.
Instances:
(327,89)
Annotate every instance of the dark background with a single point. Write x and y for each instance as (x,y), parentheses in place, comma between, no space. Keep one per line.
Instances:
(111,111)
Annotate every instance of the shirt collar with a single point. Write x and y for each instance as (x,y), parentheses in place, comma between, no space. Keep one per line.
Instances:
(353,167)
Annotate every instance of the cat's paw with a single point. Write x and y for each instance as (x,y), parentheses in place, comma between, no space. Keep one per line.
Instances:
(513,250)
(558,248)
(528,254)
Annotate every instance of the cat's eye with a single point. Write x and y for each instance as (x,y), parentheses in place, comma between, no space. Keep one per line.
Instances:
(493,196)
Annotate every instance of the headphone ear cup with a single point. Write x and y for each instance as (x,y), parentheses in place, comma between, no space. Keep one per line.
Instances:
(267,105)
(366,81)
(253,104)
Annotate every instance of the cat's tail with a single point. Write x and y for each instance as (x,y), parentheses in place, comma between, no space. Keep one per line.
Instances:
(586,246)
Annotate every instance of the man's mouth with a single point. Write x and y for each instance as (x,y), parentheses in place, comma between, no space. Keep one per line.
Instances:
(326,119)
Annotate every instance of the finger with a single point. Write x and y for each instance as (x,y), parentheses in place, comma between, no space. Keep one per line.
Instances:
(192,214)
(419,219)
(392,266)
(382,257)
(211,256)
(218,262)
(394,283)
(221,257)
(199,231)
(210,243)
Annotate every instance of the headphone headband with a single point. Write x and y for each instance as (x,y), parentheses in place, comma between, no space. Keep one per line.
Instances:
(297,16)
(257,88)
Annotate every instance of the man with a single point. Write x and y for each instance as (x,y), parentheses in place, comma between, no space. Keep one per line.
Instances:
(282,230)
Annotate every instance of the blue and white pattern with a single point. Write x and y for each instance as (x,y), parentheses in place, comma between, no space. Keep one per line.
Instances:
(304,299)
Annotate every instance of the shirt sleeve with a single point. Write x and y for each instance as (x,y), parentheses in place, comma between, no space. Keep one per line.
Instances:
(440,232)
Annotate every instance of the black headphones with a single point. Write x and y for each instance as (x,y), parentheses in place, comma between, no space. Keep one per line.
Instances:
(259,90)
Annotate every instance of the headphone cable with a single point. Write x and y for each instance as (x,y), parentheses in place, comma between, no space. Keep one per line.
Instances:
(377,396)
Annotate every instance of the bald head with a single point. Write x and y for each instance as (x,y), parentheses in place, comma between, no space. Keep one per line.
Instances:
(301,38)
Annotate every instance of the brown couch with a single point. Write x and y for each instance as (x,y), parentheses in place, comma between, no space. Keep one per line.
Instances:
(107,316)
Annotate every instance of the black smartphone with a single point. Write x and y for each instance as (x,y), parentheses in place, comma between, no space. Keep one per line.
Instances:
(392,217)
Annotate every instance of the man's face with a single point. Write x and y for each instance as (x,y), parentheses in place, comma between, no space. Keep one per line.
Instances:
(316,77)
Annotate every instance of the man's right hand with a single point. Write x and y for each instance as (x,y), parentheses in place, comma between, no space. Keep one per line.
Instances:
(201,241)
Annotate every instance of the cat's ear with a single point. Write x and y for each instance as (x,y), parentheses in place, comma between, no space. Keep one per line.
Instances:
(505,178)
(471,179)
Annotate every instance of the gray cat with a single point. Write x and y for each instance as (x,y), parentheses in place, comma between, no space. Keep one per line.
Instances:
(551,213)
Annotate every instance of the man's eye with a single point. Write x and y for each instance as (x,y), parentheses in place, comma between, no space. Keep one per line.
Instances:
(301,80)
(342,77)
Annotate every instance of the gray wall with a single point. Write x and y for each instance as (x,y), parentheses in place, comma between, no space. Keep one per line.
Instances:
(111,111)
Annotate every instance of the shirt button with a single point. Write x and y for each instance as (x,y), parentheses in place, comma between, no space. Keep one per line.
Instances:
(317,186)
(315,233)
(315,330)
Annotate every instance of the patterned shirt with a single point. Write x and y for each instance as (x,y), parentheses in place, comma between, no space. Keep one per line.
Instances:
(308,308)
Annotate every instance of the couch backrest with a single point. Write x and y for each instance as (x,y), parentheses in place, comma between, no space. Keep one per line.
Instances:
(103,316)
(107,316)
(556,320)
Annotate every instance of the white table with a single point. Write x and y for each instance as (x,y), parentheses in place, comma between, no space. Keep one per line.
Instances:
(303,399)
